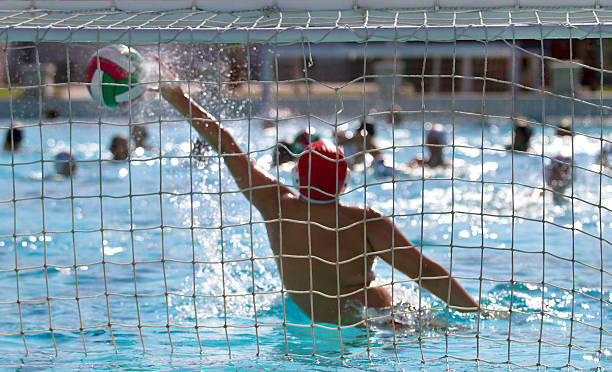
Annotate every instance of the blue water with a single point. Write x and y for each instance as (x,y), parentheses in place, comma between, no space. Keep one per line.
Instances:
(118,248)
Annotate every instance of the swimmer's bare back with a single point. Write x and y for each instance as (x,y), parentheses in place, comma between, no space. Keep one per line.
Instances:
(328,242)
(361,238)
(305,243)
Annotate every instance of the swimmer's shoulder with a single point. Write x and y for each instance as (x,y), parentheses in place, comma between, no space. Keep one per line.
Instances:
(292,202)
(372,212)
(359,213)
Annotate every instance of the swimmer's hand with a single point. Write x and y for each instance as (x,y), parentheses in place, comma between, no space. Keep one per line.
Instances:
(416,162)
(169,84)
(172,90)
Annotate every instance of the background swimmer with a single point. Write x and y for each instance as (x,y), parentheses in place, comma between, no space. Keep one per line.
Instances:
(120,148)
(13,139)
(435,141)
(605,156)
(285,152)
(564,129)
(559,173)
(65,164)
(282,153)
(304,139)
(139,135)
(521,135)
(353,144)
(395,115)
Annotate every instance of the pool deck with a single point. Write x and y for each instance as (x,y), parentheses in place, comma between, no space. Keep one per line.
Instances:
(324,102)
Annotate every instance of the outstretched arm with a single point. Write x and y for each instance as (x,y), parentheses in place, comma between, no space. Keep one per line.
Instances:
(407,259)
(259,187)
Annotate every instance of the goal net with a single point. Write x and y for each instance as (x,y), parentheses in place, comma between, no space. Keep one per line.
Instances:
(483,134)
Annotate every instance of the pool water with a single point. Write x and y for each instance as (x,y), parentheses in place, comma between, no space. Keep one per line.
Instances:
(96,243)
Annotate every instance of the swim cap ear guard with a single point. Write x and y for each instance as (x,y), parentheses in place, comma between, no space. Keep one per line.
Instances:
(347,180)
(295,175)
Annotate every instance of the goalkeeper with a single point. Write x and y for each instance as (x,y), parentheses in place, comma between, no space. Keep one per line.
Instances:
(339,272)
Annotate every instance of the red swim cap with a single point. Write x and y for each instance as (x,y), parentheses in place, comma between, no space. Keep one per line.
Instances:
(328,170)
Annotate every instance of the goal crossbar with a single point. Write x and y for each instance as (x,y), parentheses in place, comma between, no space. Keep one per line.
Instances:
(276,26)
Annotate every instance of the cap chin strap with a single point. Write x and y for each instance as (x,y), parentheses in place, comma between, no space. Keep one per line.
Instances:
(295,173)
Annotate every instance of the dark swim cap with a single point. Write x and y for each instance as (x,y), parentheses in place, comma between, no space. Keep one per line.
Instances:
(16,138)
(521,125)
(282,153)
(436,135)
(368,124)
(65,164)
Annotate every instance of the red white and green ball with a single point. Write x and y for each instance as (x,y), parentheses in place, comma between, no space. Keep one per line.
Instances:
(114,74)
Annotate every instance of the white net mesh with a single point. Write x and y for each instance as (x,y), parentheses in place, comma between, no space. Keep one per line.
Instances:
(160,251)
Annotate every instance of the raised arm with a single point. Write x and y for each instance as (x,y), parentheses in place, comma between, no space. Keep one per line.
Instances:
(407,259)
(263,185)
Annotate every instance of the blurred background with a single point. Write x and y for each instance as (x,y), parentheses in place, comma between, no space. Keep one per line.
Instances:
(272,77)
